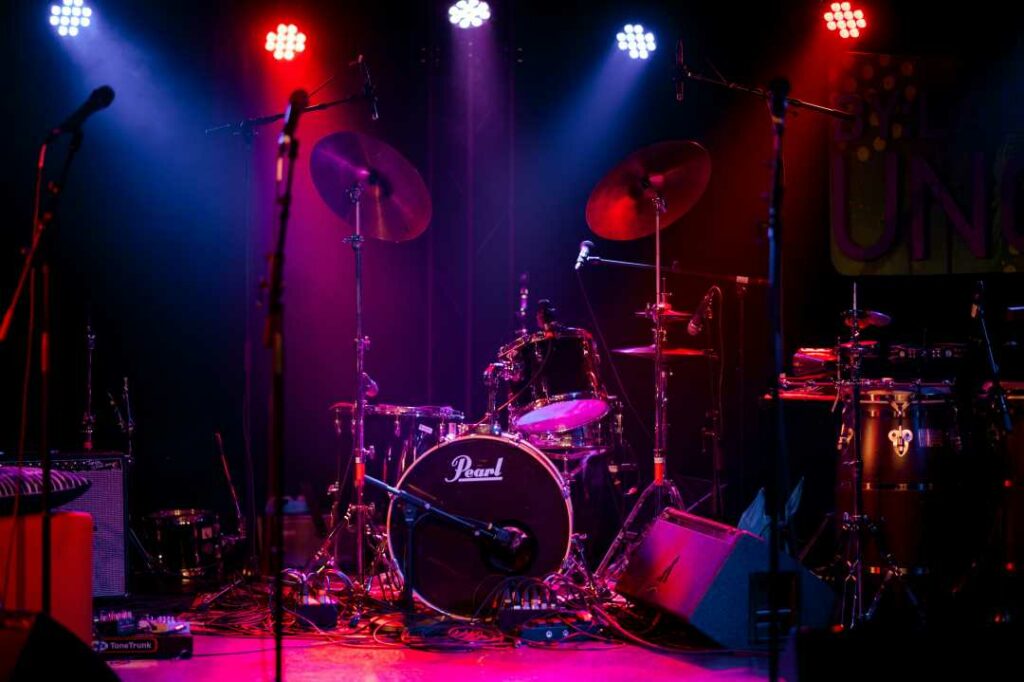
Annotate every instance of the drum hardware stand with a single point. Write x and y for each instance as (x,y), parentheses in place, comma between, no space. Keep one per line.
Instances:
(710,435)
(492,380)
(362,342)
(357,509)
(88,418)
(661,487)
(575,564)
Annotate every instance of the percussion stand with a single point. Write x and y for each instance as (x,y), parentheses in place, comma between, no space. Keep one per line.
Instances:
(857,526)
(663,491)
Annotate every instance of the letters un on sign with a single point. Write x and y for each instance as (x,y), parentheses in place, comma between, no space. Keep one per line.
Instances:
(927,179)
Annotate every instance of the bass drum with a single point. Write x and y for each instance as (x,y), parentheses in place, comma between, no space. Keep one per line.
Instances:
(495,479)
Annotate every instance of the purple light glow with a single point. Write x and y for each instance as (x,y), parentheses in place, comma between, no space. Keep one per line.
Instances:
(469,13)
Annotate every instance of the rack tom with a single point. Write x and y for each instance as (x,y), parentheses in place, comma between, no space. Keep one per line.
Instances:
(554,381)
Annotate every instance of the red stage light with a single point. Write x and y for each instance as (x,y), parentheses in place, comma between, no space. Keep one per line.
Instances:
(845,20)
(285,42)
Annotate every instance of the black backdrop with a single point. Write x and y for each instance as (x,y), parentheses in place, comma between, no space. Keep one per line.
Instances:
(510,127)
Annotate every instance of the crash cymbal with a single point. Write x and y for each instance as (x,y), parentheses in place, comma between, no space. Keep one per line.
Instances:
(668,353)
(865,318)
(621,207)
(395,204)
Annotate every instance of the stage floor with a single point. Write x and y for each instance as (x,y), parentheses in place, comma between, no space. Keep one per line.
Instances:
(252,660)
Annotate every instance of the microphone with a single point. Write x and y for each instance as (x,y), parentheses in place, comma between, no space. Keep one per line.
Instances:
(509,537)
(680,66)
(370,387)
(585,247)
(700,314)
(296,104)
(977,300)
(100,98)
(369,92)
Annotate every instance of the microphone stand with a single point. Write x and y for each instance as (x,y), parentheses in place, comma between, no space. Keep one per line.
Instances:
(415,509)
(249,125)
(739,280)
(274,340)
(35,264)
(779,101)
(996,393)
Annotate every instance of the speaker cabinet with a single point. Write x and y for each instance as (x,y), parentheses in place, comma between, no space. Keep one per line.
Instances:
(106,501)
(34,647)
(715,577)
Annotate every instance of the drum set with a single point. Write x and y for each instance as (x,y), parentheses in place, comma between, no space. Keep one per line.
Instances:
(472,505)
(459,508)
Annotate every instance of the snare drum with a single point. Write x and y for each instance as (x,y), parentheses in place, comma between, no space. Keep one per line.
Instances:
(554,381)
(185,543)
(595,438)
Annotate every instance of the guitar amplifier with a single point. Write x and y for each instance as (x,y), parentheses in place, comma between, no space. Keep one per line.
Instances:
(106,500)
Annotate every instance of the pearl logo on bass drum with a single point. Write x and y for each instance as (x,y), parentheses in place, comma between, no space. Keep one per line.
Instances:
(464,472)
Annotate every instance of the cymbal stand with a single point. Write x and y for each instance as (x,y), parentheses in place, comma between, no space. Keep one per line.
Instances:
(662,490)
(359,407)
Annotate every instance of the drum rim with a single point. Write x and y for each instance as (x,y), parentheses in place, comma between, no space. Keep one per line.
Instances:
(514,440)
(183,516)
(519,413)
(534,337)
(438,412)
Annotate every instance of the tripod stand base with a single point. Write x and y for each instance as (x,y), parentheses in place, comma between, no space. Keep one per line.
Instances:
(857,532)
(658,495)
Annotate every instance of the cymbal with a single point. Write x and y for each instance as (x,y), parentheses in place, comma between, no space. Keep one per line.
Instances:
(668,315)
(621,205)
(865,318)
(395,205)
(647,352)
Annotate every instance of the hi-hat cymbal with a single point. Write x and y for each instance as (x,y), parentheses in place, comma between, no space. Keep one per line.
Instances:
(865,318)
(394,202)
(669,315)
(647,352)
(621,206)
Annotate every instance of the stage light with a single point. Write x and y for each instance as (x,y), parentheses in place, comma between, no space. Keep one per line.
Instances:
(845,20)
(633,40)
(285,42)
(469,13)
(70,17)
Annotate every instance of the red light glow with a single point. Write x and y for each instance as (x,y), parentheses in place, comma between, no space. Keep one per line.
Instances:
(843,19)
(285,42)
